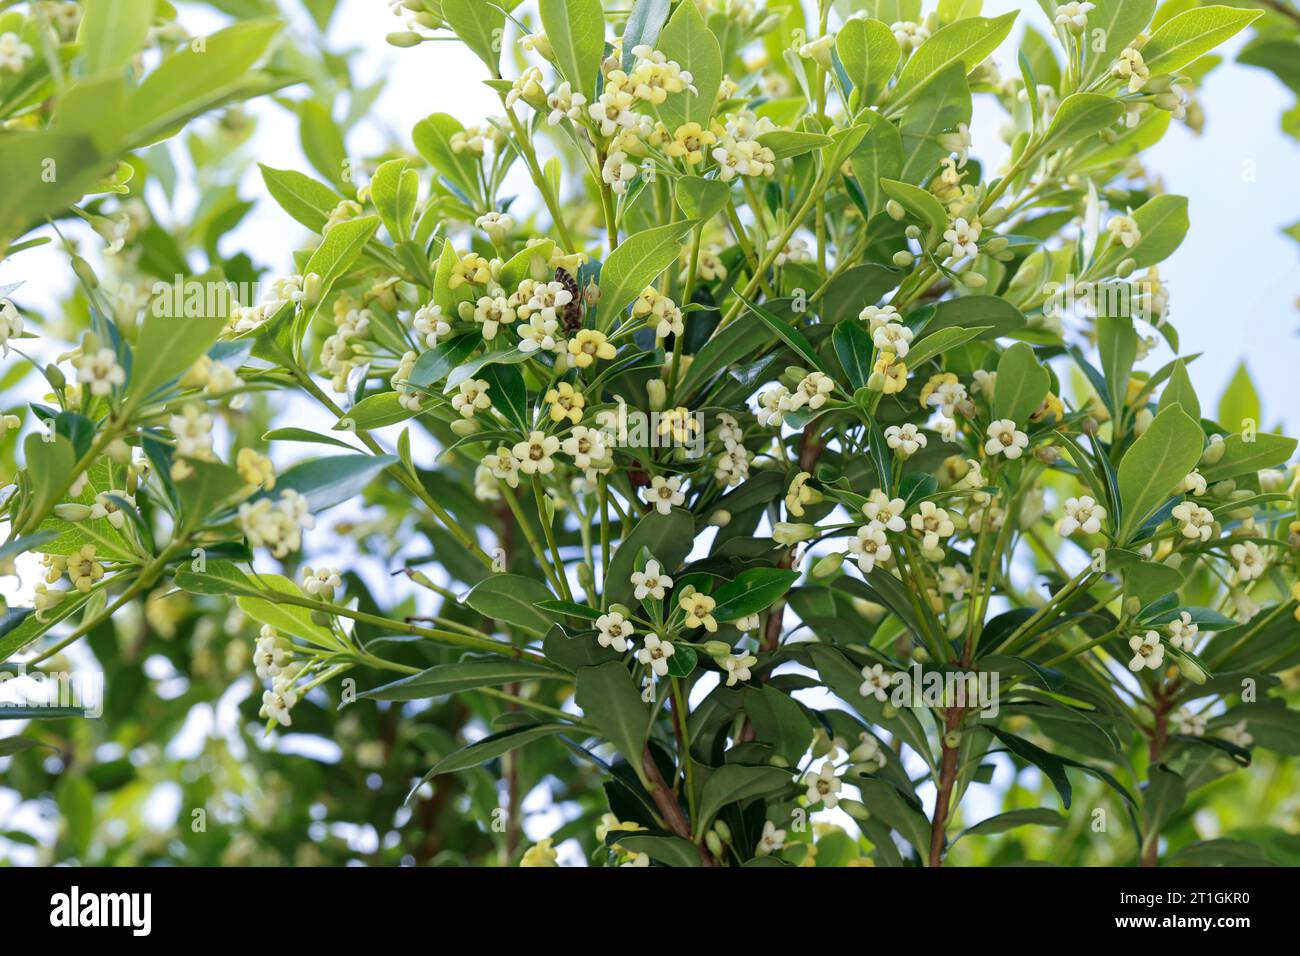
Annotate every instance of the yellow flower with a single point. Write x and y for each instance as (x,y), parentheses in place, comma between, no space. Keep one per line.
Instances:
(255,469)
(698,608)
(1052,405)
(589,345)
(540,855)
(942,378)
(691,142)
(472,269)
(888,375)
(565,402)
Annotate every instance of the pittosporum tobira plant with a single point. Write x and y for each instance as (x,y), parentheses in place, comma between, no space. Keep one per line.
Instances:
(784,457)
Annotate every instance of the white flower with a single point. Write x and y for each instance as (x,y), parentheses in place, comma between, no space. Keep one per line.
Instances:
(655,654)
(1197,522)
(651,582)
(905,440)
(664,493)
(1081,514)
(472,397)
(771,841)
(276,525)
(869,751)
(564,103)
(1189,724)
(933,523)
(586,446)
(893,337)
(823,786)
(870,546)
(538,333)
(614,631)
(1182,632)
(1236,734)
(1194,484)
(1124,231)
(772,406)
(273,654)
(1074,16)
(1250,560)
(953,581)
(909,35)
(812,391)
(1147,650)
(737,666)
(964,235)
(321,582)
(277,703)
(497,225)
(11,324)
(795,250)
(193,431)
(106,506)
(617,172)
(503,466)
(491,312)
(958,141)
(535,454)
(878,316)
(749,622)
(874,682)
(819,50)
(100,371)
(888,512)
(14,53)
(1130,66)
(1005,439)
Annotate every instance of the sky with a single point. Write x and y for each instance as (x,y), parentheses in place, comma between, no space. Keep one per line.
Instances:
(1234,283)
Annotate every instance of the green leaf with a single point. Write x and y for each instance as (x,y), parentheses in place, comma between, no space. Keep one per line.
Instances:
(941,105)
(576,30)
(508,393)
(941,341)
(1179,391)
(966,311)
(322,141)
(286,618)
(1117,23)
(786,333)
(966,42)
(853,348)
(195,76)
(610,700)
(1023,383)
(870,55)
(733,783)
(778,720)
(788,143)
(432,138)
(1241,457)
(480,25)
(920,203)
(167,347)
(1155,464)
(1002,822)
(643,25)
(49,463)
(662,848)
(1118,342)
(395,190)
(1162,222)
(465,675)
(887,804)
(688,40)
(879,156)
(636,263)
(491,747)
(1165,794)
(753,590)
(702,199)
(1080,116)
(668,537)
(325,482)
(1239,402)
(434,365)
(375,411)
(111,34)
(1193,33)
(569,609)
(303,198)
(209,484)
(511,599)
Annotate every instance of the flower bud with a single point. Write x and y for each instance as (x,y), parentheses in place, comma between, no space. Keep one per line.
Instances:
(72,512)
(404,38)
(857,811)
(1125,268)
(1158,84)
(920,655)
(720,518)
(828,565)
(994,217)
(1132,605)
(943,250)
(895,210)
(464,427)
(1142,421)
(889,711)
(657,393)
(717,648)
(713,843)
(952,739)
(723,831)
(1109,136)
(912,232)
(1168,101)
(1047,454)
(996,244)
(1214,451)
(84,272)
(973,280)
(787,533)
(903,258)
(1191,670)
(312,286)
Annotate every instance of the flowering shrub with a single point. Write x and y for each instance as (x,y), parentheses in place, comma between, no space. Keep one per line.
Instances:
(787,458)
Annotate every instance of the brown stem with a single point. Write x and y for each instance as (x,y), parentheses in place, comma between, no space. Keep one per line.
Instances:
(669,807)
(1155,750)
(947,777)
